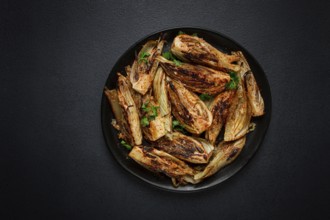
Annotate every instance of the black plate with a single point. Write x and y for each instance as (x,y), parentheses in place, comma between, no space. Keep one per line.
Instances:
(254,139)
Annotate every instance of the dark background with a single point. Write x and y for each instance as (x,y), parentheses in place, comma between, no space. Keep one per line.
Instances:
(55,58)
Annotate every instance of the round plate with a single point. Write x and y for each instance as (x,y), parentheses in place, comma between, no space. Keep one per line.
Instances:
(254,138)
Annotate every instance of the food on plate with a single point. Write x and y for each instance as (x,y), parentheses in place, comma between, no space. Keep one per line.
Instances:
(186,112)
(219,108)
(145,66)
(190,149)
(196,78)
(187,108)
(196,50)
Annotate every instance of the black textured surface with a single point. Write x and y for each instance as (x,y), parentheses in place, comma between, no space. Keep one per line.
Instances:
(55,58)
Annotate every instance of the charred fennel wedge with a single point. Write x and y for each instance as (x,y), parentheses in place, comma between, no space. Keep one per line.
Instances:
(153,124)
(195,77)
(193,150)
(224,154)
(194,49)
(145,66)
(131,123)
(162,162)
(161,97)
(219,108)
(239,116)
(188,109)
(253,93)
(112,97)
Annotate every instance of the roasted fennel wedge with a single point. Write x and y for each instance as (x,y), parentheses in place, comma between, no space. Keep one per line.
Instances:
(145,65)
(161,162)
(153,124)
(239,115)
(190,149)
(219,108)
(253,92)
(161,97)
(187,108)
(224,154)
(194,49)
(131,123)
(195,77)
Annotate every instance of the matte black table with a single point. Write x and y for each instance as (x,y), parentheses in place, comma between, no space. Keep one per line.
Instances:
(55,58)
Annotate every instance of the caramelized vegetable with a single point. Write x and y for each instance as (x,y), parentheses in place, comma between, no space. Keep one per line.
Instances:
(239,115)
(219,108)
(224,154)
(161,97)
(194,49)
(188,109)
(162,162)
(145,66)
(193,150)
(131,125)
(196,78)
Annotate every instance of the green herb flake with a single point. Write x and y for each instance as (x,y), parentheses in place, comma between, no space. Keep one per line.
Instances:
(177,62)
(181,32)
(128,147)
(178,127)
(154,111)
(143,57)
(194,35)
(205,97)
(233,83)
(168,55)
(144,121)
(144,106)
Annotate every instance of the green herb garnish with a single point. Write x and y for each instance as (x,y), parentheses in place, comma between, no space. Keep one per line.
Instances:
(233,83)
(143,57)
(168,55)
(178,127)
(144,106)
(151,113)
(128,147)
(144,121)
(181,32)
(205,97)
(177,62)
(194,35)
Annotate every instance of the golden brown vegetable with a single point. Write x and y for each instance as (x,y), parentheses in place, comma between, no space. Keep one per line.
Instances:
(239,115)
(253,93)
(162,162)
(224,153)
(161,97)
(145,66)
(193,150)
(195,49)
(196,78)
(153,124)
(188,109)
(112,97)
(131,125)
(219,108)
(254,96)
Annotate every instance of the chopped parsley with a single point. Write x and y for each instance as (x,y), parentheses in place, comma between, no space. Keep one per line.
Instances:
(144,121)
(143,57)
(150,113)
(181,32)
(233,83)
(178,127)
(128,147)
(205,97)
(168,55)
